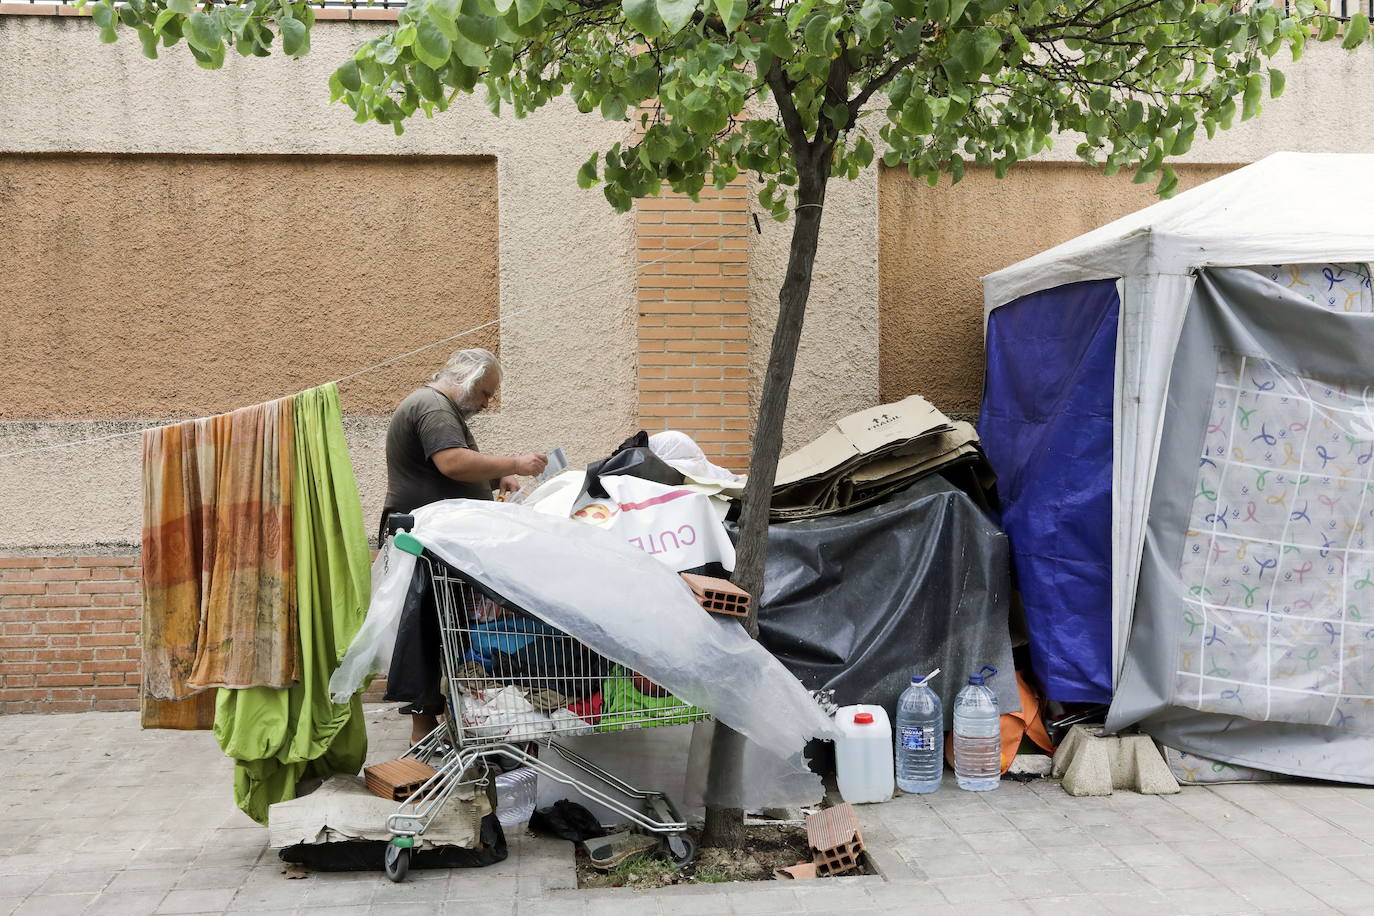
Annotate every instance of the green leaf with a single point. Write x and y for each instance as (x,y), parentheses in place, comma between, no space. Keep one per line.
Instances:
(148,37)
(1276,83)
(479,30)
(204,32)
(676,13)
(295,37)
(444,23)
(469,52)
(613,108)
(427,82)
(129,17)
(642,15)
(349,77)
(1356,30)
(237,18)
(102,15)
(432,46)
(526,10)
(162,19)
(385,52)
(208,60)
(181,7)
(586,176)
(732,12)
(1253,92)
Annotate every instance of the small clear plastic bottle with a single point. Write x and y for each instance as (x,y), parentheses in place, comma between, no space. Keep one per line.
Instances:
(515,796)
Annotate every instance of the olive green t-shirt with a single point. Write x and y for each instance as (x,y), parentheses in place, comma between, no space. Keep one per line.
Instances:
(427,421)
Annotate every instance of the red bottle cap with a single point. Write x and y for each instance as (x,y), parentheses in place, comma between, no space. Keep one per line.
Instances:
(863,718)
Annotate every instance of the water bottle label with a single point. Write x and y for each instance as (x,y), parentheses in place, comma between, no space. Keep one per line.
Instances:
(918,737)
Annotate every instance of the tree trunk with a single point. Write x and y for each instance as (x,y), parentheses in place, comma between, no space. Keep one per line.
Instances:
(725,826)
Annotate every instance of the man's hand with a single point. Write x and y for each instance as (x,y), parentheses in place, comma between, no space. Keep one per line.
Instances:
(530,464)
(510,484)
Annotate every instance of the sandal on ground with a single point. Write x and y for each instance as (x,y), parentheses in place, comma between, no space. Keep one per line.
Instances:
(609,851)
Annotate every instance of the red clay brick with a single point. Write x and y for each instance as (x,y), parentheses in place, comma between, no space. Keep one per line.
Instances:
(63,680)
(107,588)
(20,562)
(22,588)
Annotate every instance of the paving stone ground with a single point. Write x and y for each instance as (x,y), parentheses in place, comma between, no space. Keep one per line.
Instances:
(99,817)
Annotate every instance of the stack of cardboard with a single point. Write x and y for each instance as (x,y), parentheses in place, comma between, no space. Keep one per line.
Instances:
(868,455)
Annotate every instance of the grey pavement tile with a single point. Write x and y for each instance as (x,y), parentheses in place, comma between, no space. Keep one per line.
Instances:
(492,908)
(1360,866)
(1207,901)
(1304,870)
(745,902)
(1171,877)
(1129,835)
(144,879)
(326,893)
(276,894)
(1064,906)
(473,884)
(970,892)
(1250,879)
(70,882)
(1109,880)
(1137,855)
(911,895)
(205,900)
(9,905)
(231,876)
(1290,899)
(1140,903)
(965,866)
(22,885)
(1336,845)
(1006,842)
(678,905)
(1347,896)
(138,903)
(1086,855)
(54,905)
(1215,852)
(823,899)
(546,907)
(1045,838)
(1033,862)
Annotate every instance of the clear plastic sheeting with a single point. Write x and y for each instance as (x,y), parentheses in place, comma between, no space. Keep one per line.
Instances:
(370,651)
(623,604)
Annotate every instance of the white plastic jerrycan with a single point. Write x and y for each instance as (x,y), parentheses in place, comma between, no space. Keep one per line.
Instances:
(863,754)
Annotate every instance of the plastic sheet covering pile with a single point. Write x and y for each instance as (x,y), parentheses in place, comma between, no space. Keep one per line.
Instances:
(861,602)
(621,603)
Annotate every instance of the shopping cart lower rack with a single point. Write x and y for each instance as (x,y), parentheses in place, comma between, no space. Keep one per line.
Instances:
(515,684)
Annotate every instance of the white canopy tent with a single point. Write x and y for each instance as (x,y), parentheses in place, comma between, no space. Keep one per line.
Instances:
(1288,209)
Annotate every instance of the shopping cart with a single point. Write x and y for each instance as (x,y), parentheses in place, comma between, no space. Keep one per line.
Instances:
(514,684)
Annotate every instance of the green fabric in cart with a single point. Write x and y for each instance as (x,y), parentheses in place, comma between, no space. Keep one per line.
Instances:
(278,737)
(622,706)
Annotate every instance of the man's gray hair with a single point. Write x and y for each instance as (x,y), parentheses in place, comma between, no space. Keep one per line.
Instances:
(465,368)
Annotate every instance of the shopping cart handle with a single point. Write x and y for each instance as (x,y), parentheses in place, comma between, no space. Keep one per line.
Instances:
(409,543)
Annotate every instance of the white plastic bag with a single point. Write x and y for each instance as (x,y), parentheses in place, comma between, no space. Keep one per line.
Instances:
(676,526)
(681,452)
(371,649)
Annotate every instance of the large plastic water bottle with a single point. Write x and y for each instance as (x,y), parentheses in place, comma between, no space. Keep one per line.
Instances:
(515,796)
(920,737)
(978,734)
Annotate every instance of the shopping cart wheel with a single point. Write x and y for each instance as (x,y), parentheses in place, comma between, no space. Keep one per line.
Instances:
(397,862)
(681,849)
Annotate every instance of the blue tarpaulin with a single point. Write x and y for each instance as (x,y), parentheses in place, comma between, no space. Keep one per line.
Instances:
(1046,425)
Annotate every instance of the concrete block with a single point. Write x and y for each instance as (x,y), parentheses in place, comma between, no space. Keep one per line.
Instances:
(1091,763)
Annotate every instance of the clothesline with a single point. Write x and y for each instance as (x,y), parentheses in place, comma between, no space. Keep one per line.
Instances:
(557,304)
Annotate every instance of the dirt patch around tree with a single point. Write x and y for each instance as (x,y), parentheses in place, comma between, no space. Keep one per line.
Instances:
(766,847)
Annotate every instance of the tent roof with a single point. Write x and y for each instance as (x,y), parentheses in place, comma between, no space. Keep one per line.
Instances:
(1288,208)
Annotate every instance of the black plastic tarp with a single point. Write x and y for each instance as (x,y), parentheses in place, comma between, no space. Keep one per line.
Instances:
(860,602)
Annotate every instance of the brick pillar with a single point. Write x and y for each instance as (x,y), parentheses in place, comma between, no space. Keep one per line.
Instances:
(694,320)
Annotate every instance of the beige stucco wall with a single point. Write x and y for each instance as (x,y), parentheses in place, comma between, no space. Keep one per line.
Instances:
(569,360)
(230,280)
(935,243)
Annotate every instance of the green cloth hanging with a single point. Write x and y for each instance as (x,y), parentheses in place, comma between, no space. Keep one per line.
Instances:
(279,736)
(622,706)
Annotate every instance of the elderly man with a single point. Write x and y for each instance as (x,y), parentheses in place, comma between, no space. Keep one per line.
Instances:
(430,452)
(431,455)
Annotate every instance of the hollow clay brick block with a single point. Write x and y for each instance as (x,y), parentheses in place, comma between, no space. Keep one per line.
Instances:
(397,780)
(833,834)
(718,596)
